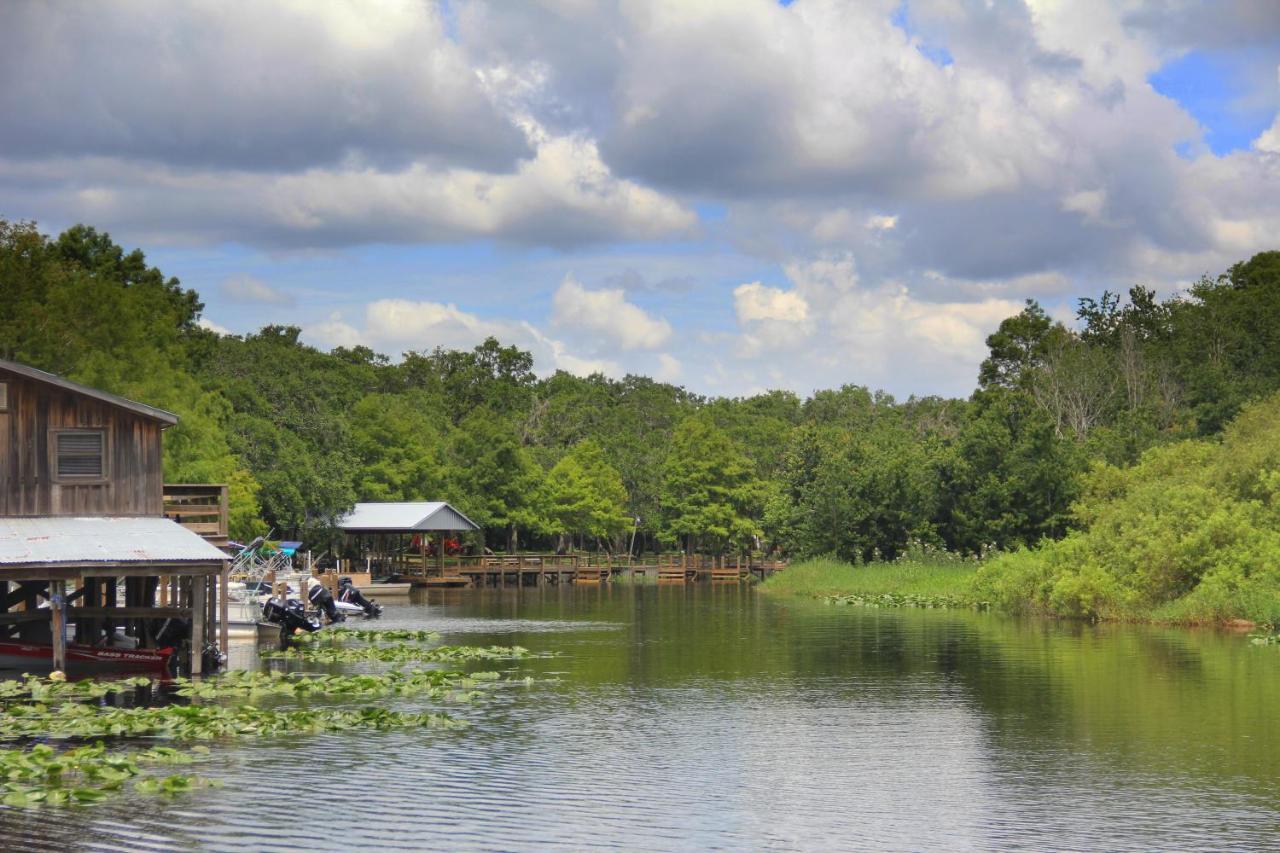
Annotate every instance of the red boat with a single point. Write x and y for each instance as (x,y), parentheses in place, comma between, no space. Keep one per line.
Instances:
(16,655)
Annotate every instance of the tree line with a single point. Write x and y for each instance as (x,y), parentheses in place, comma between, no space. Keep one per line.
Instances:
(565,461)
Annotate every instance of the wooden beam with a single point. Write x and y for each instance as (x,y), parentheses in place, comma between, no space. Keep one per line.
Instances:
(57,596)
(198,589)
(224,610)
(39,615)
(128,612)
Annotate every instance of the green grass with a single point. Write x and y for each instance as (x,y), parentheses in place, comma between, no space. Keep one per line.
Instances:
(943,580)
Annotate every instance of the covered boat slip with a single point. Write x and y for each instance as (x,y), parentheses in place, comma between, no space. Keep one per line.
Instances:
(59,571)
(405,538)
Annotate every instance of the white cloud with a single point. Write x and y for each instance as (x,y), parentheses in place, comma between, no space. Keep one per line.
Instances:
(607,316)
(563,196)
(395,326)
(669,368)
(753,302)
(206,323)
(883,336)
(247,288)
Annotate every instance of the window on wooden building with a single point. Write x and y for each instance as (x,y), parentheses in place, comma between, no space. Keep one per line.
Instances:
(4,396)
(79,454)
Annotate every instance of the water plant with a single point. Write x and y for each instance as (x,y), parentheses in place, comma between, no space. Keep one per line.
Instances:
(36,689)
(201,722)
(891,599)
(398,653)
(44,776)
(371,635)
(436,683)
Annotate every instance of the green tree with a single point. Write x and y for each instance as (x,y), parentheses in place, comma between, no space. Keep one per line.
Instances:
(1017,347)
(585,495)
(399,446)
(708,489)
(496,482)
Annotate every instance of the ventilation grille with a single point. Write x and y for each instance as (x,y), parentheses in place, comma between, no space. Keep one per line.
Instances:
(80,454)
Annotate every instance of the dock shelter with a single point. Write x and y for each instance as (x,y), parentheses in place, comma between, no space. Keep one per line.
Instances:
(386,532)
(82,503)
(75,564)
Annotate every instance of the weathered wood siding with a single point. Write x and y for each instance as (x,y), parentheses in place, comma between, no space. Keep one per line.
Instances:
(134,483)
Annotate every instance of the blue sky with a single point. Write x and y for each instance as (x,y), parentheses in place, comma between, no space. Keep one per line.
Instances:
(734,196)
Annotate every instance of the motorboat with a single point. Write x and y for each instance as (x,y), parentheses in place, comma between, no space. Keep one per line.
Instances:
(17,654)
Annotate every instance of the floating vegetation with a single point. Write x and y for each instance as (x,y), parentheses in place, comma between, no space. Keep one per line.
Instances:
(36,689)
(893,599)
(36,708)
(437,683)
(43,776)
(201,722)
(378,635)
(1265,639)
(398,653)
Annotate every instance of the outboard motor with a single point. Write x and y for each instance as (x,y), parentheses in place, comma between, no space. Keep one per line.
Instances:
(349,594)
(289,615)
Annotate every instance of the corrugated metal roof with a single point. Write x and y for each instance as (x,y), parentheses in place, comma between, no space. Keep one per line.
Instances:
(57,381)
(46,541)
(421,515)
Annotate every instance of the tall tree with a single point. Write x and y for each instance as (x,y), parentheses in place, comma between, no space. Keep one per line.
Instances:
(496,482)
(708,488)
(585,495)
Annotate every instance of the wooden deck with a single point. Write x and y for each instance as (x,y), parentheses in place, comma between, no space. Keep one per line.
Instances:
(536,569)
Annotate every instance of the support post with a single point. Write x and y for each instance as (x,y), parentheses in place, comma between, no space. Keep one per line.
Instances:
(199,613)
(57,601)
(224,607)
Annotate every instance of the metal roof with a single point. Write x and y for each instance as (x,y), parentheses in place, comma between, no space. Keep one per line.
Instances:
(55,540)
(405,517)
(66,384)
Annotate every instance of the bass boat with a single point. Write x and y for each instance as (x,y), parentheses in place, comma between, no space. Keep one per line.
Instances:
(15,654)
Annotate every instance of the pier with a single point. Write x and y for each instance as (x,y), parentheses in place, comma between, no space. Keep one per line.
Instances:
(535,569)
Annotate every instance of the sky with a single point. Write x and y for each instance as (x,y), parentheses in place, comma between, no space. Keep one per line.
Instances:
(733,196)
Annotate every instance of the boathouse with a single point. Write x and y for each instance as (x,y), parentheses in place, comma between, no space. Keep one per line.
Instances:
(395,537)
(83,537)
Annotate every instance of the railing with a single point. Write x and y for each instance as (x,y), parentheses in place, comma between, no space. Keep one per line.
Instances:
(584,565)
(199,507)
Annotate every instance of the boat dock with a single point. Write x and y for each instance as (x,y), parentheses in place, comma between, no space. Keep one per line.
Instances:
(537,569)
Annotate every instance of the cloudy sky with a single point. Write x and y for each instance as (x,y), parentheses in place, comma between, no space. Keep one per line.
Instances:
(731,195)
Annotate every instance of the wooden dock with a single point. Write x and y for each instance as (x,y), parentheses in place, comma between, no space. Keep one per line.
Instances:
(538,569)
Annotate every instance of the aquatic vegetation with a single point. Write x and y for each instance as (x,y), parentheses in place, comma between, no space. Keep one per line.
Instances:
(201,722)
(398,653)
(38,708)
(924,576)
(436,683)
(1265,639)
(891,599)
(44,776)
(375,635)
(36,689)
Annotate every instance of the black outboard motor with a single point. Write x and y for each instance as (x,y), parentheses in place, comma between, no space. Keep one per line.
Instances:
(289,615)
(348,593)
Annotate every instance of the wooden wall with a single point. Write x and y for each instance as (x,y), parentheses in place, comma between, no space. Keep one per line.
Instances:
(134,484)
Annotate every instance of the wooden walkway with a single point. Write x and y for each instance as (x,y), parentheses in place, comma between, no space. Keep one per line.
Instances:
(535,569)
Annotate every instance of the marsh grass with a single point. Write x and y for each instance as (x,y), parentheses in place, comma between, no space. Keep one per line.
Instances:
(941,579)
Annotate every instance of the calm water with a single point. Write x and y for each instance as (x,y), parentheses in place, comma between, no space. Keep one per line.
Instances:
(700,717)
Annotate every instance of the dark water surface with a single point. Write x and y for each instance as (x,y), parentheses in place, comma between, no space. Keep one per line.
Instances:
(716,717)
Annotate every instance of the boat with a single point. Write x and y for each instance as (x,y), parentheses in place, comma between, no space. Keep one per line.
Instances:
(15,654)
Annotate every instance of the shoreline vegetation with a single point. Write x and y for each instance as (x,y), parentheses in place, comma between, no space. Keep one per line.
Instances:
(1122,465)
(108,735)
(1189,535)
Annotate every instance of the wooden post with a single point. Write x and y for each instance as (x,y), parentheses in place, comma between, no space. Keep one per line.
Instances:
(224,608)
(57,601)
(199,584)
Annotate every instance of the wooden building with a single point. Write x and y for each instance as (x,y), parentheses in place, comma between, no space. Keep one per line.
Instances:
(89,464)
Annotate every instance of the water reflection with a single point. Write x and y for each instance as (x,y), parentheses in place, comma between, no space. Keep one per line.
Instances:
(711,716)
